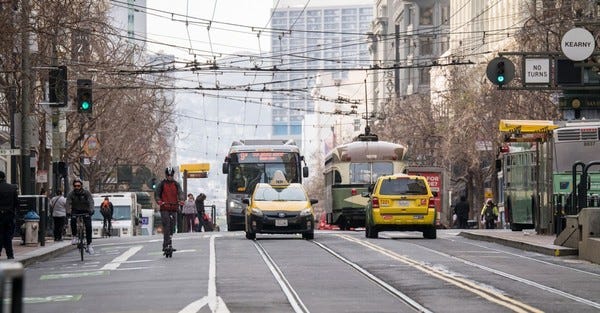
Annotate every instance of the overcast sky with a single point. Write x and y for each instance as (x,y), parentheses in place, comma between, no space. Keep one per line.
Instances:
(200,138)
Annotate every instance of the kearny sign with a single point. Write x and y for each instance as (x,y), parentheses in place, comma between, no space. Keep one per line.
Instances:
(578,44)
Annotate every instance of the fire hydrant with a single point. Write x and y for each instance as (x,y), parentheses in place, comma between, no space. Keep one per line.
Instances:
(32,222)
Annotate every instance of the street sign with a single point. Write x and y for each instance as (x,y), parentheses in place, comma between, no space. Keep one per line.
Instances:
(578,44)
(10,151)
(195,167)
(537,71)
(197,175)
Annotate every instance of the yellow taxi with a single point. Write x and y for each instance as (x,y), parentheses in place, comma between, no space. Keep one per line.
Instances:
(279,208)
(400,202)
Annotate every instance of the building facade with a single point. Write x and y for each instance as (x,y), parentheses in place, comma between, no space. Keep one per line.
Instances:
(325,36)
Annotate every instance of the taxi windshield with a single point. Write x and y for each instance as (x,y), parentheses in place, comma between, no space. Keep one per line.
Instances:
(268,193)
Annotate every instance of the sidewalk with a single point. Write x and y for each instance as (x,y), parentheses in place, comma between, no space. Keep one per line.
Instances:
(527,240)
(28,255)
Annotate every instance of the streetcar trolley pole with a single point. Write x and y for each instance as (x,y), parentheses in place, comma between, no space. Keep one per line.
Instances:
(11,276)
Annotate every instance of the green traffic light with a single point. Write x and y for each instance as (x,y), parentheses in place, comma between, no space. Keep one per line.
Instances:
(500,78)
(85,105)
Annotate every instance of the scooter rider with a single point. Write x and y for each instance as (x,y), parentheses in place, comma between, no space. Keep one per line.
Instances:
(169,196)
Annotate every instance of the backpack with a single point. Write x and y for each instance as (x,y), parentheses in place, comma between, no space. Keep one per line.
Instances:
(489,212)
(105,208)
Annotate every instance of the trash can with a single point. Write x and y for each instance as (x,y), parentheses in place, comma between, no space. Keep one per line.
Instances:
(32,225)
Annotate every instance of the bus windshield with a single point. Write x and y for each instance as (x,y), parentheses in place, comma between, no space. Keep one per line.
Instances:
(367,173)
(244,177)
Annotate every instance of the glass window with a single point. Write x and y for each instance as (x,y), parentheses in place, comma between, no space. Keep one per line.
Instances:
(268,193)
(280,130)
(403,186)
(426,17)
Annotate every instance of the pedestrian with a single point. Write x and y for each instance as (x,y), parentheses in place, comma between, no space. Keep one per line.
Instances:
(107,211)
(200,211)
(169,197)
(59,214)
(189,213)
(9,202)
(489,214)
(461,210)
(80,201)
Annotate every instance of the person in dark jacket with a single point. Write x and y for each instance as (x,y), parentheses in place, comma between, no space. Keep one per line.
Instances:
(169,196)
(9,202)
(107,211)
(80,201)
(200,211)
(461,210)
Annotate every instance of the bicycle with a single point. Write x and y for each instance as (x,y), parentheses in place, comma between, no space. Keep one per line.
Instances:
(80,233)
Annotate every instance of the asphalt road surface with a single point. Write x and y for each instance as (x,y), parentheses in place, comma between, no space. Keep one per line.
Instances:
(339,271)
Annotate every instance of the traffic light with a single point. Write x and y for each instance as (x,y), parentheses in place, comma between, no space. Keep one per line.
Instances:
(500,73)
(152,183)
(58,91)
(84,96)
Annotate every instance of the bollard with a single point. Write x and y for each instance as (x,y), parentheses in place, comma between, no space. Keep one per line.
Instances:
(11,274)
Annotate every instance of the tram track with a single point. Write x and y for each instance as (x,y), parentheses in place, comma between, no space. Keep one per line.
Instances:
(480,290)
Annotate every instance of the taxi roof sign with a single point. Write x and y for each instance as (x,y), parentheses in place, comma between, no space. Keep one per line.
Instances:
(195,167)
(279,179)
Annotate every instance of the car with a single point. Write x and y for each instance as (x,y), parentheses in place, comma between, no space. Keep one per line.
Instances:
(279,207)
(400,202)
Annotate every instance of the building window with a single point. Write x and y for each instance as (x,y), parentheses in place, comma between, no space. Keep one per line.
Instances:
(280,130)
(426,45)
(424,76)
(426,16)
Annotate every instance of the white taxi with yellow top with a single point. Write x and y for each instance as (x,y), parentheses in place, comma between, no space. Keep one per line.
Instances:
(279,208)
(400,202)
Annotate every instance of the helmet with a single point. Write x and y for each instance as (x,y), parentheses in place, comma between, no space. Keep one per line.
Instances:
(77,180)
(169,171)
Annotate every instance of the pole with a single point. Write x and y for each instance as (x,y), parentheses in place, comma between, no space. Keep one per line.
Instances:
(397,61)
(27,179)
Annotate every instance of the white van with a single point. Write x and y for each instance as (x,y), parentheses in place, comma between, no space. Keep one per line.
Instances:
(126,212)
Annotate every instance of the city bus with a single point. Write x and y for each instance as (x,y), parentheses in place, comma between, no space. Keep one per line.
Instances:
(536,174)
(249,162)
(349,169)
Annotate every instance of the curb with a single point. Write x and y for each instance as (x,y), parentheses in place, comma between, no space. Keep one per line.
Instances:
(42,255)
(551,250)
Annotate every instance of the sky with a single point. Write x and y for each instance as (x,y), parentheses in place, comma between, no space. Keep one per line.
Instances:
(207,125)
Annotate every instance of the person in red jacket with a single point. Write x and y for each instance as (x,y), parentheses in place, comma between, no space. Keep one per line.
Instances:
(169,197)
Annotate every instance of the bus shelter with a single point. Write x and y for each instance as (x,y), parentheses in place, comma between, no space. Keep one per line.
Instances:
(527,171)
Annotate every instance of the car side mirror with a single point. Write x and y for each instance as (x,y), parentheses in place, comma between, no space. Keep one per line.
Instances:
(225,168)
(365,194)
(435,194)
(246,201)
(313,201)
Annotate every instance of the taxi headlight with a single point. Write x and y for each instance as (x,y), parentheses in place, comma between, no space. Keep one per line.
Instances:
(257,212)
(235,205)
(306,212)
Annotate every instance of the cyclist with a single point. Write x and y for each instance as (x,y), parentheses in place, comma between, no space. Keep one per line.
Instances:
(168,196)
(80,201)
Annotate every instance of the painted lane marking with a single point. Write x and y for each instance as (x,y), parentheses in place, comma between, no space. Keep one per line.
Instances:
(466,284)
(57,298)
(73,275)
(116,262)
(215,303)
(521,280)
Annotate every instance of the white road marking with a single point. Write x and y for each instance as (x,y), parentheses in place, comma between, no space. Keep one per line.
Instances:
(215,303)
(116,262)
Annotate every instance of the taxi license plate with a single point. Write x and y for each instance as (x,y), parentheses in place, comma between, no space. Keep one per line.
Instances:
(403,202)
(281,222)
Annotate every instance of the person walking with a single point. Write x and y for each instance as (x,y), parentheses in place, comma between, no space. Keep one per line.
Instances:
(189,213)
(168,196)
(461,210)
(9,202)
(107,211)
(200,211)
(80,201)
(58,206)
(489,214)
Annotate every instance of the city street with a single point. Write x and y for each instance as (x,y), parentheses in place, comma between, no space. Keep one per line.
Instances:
(337,272)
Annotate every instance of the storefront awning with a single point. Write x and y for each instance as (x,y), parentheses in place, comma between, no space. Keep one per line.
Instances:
(526,126)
